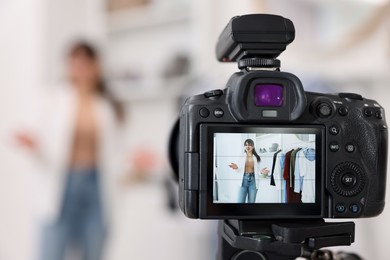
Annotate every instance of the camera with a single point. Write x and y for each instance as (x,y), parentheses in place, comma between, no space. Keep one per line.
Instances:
(263,148)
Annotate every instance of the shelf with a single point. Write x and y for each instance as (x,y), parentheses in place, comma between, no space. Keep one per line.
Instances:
(146,18)
(149,95)
(128,91)
(337,2)
(267,135)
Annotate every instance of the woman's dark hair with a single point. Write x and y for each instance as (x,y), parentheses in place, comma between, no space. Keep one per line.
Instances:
(86,49)
(250,142)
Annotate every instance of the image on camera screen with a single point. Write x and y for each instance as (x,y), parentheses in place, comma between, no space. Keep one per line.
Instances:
(264,167)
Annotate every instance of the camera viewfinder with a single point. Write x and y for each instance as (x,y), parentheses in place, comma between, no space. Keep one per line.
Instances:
(268,95)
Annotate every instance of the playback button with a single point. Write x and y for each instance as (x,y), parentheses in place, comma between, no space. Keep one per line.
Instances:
(340,208)
(204,112)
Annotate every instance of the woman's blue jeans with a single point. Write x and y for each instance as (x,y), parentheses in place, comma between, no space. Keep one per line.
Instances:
(248,188)
(80,224)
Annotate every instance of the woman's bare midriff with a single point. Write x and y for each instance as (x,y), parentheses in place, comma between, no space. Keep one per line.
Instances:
(249,165)
(85,141)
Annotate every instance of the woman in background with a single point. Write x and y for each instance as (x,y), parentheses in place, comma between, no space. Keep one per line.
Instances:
(77,146)
(250,169)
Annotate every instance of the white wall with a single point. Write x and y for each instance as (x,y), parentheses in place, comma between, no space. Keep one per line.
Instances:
(229,149)
(21,27)
(33,33)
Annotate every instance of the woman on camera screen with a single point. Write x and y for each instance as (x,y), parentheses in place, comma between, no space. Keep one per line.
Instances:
(250,168)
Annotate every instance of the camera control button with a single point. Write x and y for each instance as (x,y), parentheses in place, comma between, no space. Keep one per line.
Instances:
(348,180)
(204,112)
(354,208)
(218,112)
(350,147)
(213,93)
(324,110)
(340,208)
(334,147)
(378,115)
(334,130)
(367,112)
(343,111)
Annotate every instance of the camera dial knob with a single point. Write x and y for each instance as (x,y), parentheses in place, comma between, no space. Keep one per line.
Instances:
(347,179)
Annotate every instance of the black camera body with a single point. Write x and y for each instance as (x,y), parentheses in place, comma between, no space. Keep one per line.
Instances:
(303,155)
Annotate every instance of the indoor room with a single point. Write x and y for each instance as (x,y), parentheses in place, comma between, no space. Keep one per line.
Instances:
(118,72)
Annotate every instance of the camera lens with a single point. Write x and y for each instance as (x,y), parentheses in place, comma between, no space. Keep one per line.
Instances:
(268,95)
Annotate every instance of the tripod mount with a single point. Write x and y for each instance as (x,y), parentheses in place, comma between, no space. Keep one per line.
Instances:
(282,239)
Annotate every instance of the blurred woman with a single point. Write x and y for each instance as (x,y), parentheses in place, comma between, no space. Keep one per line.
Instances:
(249,167)
(77,144)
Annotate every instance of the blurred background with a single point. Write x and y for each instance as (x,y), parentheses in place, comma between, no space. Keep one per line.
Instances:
(155,53)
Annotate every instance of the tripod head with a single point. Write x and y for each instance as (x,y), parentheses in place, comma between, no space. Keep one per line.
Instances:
(281,240)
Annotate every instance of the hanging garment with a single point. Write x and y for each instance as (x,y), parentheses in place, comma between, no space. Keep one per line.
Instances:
(292,166)
(295,197)
(273,168)
(282,183)
(298,179)
(307,171)
(286,174)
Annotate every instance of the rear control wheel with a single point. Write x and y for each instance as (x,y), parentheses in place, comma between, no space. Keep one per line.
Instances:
(347,179)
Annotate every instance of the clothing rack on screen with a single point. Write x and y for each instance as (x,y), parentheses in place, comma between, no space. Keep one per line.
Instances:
(294,170)
(296,145)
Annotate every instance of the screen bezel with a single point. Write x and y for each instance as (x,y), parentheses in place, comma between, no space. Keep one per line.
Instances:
(209,209)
